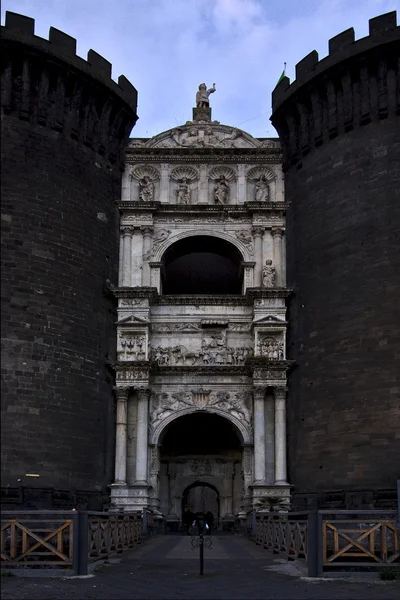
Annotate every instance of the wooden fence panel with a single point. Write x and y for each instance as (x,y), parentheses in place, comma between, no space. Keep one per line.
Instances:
(37,541)
(349,542)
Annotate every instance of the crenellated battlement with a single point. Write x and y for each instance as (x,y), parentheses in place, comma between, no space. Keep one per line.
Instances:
(353,85)
(45,82)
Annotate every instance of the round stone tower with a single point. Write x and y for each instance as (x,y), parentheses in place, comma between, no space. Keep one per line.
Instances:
(64,125)
(340,129)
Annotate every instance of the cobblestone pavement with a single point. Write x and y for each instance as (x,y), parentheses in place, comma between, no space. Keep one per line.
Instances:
(166,568)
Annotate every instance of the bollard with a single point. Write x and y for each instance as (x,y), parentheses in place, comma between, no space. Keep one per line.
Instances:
(200,542)
(201,546)
(81,543)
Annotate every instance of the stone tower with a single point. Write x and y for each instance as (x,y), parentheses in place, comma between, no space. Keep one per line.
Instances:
(64,124)
(340,129)
(201,370)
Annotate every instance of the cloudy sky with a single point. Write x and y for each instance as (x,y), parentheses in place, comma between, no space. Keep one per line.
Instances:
(167,47)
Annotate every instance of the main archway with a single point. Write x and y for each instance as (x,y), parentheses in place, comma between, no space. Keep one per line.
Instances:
(202,264)
(198,451)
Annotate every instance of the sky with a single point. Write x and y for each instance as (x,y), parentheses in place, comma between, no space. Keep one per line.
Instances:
(166,48)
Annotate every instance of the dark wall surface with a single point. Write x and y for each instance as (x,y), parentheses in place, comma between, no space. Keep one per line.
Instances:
(64,124)
(340,127)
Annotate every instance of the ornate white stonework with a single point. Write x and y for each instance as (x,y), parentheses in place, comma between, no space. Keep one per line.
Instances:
(181,355)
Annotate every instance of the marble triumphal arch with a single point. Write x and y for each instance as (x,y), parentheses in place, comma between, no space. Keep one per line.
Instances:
(201,365)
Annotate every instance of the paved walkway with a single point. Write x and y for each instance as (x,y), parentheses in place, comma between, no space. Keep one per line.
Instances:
(166,567)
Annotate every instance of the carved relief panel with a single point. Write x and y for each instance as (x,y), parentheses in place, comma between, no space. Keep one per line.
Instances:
(270,344)
(237,404)
(209,348)
(132,344)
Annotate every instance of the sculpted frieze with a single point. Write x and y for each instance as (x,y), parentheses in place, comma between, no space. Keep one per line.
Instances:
(268,375)
(131,302)
(176,327)
(238,404)
(214,351)
(200,135)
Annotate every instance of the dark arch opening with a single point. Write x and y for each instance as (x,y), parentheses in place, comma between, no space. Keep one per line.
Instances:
(209,502)
(202,265)
(200,433)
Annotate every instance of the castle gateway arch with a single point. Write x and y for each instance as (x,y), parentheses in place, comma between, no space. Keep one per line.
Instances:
(201,369)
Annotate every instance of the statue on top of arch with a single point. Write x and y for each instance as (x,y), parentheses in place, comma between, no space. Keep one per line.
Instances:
(202,96)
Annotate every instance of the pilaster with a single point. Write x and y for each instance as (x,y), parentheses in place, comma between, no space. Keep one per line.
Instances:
(122,395)
(277,234)
(280,436)
(258,233)
(259,435)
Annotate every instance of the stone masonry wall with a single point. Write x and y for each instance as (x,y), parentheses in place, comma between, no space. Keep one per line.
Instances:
(63,127)
(340,130)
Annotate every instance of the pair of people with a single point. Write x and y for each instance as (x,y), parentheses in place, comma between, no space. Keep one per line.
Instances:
(201,520)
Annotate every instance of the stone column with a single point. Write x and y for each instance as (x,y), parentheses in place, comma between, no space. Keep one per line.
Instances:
(259,435)
(126,259)
(147,244)
(277,234)
(258,235)
(142,436)
(203,185)
(280,436)
(121,436)
(137,258)
(164,183)
(241,184)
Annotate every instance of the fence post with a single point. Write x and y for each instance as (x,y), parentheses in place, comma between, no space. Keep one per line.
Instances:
(314,544)
(254,524)
(81,543)
(144,522)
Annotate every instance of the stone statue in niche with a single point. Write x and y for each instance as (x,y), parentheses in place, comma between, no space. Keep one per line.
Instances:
(261,190)
(268,274)
(146,193)
(221,191)
(202,96)
(183,193)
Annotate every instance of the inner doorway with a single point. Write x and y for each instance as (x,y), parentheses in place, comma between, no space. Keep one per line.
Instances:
(202,497)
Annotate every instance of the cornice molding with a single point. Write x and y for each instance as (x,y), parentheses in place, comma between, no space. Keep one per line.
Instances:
(246,209)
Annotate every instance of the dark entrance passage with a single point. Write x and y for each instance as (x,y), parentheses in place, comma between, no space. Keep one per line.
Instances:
(200,470)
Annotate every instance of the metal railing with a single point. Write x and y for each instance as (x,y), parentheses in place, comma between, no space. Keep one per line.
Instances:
(65,539)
